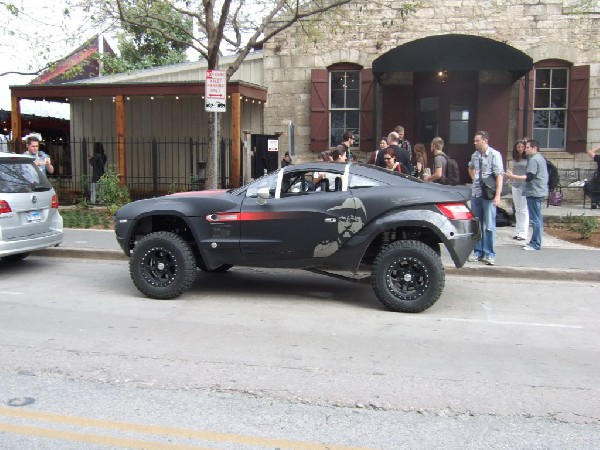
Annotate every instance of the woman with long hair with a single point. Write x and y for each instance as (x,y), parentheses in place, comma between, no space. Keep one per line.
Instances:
(420,161)
(519,163)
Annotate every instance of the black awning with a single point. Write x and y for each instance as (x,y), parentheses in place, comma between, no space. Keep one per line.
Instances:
(453,52)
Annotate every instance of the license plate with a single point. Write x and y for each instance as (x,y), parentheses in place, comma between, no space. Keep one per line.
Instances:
(33,216)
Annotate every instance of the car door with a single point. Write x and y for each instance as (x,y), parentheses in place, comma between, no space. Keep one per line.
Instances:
(299,223)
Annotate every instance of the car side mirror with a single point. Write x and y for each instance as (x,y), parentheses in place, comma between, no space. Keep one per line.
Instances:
(262,195)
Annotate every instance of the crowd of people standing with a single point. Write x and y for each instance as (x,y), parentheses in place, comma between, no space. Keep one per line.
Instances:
(528,175)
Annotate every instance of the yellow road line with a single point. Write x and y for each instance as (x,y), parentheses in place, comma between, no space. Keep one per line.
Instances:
(167,431)
(93,438)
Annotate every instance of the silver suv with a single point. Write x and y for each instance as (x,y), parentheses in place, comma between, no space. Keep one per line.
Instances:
(29,218)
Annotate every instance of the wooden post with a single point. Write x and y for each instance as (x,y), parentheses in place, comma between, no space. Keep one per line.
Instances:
(121,150)
(15,123)
(236,131)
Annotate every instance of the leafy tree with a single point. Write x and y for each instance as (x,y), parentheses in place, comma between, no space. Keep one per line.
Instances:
(233,26)
(34,35)
(142,45)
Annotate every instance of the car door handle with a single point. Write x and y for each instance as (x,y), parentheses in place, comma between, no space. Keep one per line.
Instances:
(330,220)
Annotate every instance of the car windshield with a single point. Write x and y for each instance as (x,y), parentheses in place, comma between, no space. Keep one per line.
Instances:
(20,177)
(269,180)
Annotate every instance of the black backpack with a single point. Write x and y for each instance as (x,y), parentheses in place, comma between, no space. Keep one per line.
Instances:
(553,177)
(452,173)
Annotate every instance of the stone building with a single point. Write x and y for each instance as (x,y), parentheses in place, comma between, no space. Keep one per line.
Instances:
(512,67)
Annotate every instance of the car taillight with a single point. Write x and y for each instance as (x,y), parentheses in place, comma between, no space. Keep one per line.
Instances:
(455,211)
(54,201)
(4,207)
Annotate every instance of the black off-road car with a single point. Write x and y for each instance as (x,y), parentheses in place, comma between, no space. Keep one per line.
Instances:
(315,216)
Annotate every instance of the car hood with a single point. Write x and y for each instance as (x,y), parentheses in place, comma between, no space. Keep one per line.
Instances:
(188,204)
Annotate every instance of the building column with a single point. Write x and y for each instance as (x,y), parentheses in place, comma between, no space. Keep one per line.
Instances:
(235,139)
(15,123)
(121,150)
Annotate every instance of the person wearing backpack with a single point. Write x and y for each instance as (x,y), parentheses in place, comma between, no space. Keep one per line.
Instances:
(440,163)
(536,188)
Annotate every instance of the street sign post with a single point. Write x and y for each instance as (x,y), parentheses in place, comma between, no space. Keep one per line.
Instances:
(215,101)
(215,93)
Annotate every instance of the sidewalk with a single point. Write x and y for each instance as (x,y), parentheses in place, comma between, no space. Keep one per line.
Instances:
(557,260)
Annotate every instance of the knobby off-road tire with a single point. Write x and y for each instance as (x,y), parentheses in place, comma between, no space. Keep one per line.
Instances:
(162,265)
(408,276)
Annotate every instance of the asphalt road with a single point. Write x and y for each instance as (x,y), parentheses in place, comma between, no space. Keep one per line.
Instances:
(287,359)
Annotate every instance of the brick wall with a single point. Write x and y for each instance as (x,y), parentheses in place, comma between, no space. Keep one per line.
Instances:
(363,31)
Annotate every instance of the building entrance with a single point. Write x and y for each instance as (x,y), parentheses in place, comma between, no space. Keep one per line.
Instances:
(445,106)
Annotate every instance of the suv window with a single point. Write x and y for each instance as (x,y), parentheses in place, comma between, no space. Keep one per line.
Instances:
(20,177)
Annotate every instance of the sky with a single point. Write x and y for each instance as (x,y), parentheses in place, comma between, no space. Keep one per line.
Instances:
(45,19)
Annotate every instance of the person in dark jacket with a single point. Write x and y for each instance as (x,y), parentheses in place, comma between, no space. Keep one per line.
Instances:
(97,161)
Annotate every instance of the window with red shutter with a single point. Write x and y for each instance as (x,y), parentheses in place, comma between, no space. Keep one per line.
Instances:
(555,112)
(578,109)
(341,100)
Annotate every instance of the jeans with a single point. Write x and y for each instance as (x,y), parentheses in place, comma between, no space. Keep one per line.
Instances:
(485,211)
(521,212)
(534,205)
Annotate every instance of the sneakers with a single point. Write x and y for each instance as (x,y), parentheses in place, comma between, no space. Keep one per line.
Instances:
(485,259)
(528,248)
(488,260)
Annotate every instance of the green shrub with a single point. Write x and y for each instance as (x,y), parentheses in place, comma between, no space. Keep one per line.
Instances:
(82,218)
(111,193)
(584,225)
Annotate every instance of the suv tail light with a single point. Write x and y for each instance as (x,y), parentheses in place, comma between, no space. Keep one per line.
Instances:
(4,207)
(54,201)
(455,211)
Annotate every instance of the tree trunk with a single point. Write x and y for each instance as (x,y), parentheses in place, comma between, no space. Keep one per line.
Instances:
(212,159)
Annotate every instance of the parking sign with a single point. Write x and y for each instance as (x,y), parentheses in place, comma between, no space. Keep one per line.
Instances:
(215,93)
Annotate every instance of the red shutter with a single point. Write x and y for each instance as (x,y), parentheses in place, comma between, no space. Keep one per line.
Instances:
(522,130)
(367,91)
(319,110)
(578,109)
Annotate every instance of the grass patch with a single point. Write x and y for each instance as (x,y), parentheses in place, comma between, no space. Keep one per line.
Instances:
(86,218)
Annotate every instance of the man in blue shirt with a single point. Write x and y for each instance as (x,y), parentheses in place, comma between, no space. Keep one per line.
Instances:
(485,162)
(42,159)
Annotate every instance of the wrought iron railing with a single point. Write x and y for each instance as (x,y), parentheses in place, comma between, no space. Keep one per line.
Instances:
(153,166)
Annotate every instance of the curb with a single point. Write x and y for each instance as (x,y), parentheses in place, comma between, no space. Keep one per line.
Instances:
(535,273)
(85,253)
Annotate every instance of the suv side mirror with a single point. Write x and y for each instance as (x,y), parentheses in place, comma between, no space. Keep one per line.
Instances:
(262,195)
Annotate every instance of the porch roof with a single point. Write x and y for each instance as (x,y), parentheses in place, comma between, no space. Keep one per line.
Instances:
(63,92)
(453,52)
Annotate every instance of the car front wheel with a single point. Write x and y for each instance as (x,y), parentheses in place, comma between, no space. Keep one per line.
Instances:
(162,265)
(408,276)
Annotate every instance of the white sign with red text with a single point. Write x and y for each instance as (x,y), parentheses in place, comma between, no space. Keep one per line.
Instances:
(215,91)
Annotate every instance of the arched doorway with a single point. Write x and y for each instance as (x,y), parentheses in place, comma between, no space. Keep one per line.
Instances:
(450,86)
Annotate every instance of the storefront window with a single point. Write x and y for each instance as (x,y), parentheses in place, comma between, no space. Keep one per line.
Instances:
(344,104)
(550,107)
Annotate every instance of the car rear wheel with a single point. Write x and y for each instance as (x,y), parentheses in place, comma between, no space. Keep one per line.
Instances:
(162,265)
(408,276)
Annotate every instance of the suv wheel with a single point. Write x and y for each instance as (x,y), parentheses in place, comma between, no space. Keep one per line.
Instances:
(162,265)
(408,276)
